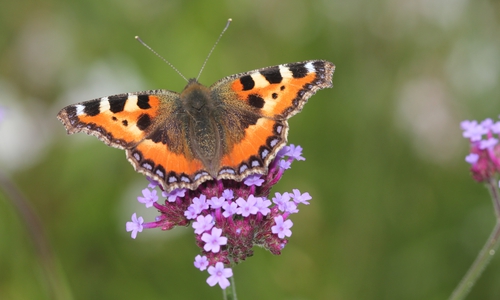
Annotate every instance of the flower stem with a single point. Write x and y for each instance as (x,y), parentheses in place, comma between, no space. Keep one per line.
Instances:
(54,280)
(230,293)
(486,253)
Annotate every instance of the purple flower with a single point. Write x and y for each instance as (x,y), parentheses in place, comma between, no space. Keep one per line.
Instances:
(199,204)
(466,124)
(254,180)
(281,200)
(172,196)
(487,123)
(216,202)
(472,158)
(295,152)
(219,274)
(473,131)
(228,194)
(213,240)
(291,207)
(262,206)
(281,228)
(488,144)
(484,156)
(246,208)
(190,213)
(285,164)
(149,198)
(301,198)
(203,223)
(135,226)
(495,128)
(229,209)
(201,262)
(152,183)
(283,152)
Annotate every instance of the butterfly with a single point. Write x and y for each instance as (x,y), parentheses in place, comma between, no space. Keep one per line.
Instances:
(230,130)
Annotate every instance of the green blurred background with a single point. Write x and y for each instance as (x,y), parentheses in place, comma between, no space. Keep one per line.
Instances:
(394,215)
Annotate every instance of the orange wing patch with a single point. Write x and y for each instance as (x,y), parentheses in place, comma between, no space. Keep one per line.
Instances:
(255,137)
(170,161)
(120,121)
(172,170)
(277,98)
(281,91)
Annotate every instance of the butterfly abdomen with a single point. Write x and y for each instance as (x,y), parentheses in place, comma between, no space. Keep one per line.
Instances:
(202,126)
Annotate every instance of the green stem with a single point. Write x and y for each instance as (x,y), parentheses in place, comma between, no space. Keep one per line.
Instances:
(486,253)
(54,280)
(230,292)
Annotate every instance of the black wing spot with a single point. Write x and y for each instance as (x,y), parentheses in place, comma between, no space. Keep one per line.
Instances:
(125,123)
(247,82)
(272,75)
(159,136)
(298,71)
(256,101)
(92,108)
(117,103)
(143,101)
(275,96)
(143,122)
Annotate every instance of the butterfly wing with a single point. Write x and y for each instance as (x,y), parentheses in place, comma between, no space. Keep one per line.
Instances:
(256,106)
(143,124)
(121,121)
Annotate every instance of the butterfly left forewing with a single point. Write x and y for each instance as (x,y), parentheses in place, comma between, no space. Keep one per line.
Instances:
(259,103)
(120,121)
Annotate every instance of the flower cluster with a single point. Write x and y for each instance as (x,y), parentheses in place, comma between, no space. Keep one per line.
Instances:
(485,150)
(229,217)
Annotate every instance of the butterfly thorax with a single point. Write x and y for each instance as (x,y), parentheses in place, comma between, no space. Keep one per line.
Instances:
(201,125)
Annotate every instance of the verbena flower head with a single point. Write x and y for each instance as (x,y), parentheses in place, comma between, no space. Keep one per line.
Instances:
(228,217)
(485,149)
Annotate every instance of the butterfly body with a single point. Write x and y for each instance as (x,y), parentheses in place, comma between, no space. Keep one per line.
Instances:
(229,130)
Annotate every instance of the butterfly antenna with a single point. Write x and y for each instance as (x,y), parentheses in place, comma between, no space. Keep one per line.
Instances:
(172,66)
(211,50)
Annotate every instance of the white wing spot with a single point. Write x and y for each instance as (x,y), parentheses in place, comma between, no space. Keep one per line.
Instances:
(79,109)
(260,80)
(274,142)
(104,104)
(310,67)
(131,104)
(227,171)
(243,168)
(285,72)
(264,153)
(279,128)
(137,156)
(160,173)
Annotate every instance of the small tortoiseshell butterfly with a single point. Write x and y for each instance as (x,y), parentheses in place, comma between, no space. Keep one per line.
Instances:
(229,130)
